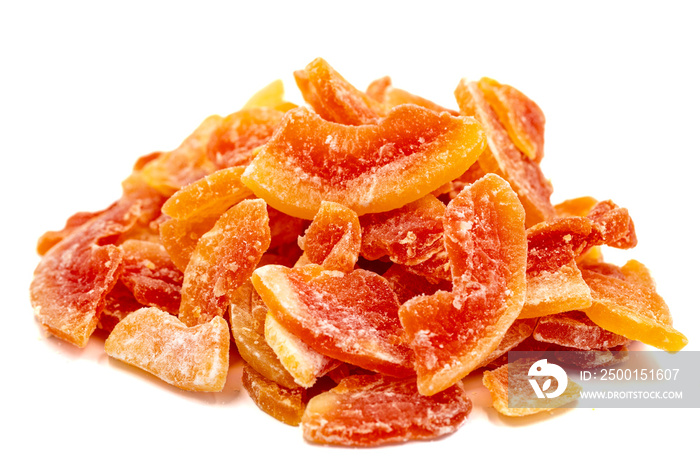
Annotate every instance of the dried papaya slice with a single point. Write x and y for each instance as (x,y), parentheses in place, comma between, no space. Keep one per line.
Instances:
(574,330)
(270,96)
(223,260)
(384,92)
(504,158)
(300,360)
(516,334)
(282,403)
(350,317)
(72,280)
(184,165)
(522,118)
(408,285)
(119,303)
(370,168)
(576,207)
(191,358)
(333,97)
(150,275)
(592,359)
(333,239)
(625,302)
(51,238)
(247,315)
(369,410)
(510,384)
(451,333)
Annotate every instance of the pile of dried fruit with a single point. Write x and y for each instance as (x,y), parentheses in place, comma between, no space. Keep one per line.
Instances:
(366,252)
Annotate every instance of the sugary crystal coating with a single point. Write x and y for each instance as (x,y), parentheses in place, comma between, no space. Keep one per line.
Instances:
(573,329)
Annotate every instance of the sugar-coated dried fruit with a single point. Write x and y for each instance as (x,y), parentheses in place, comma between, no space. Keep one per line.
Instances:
(385,93)
(282,403)
(333,239)
(247,314)
(504,158)
(223,260)
(301,361)
(51,238)
(270,96)
(591,359)
(451,333)
(191,358)
(350,317)
(512,394)
(576,207)
(369,168)
(573,329)
(368,410)
(408,285)
(333,97)
(625,302)
(119,303)
(516,334)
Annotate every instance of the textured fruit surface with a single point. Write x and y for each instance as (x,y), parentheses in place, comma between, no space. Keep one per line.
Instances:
(282,403)
(369,168)
(575,330)
(333,239)
(367,410)
(191,358)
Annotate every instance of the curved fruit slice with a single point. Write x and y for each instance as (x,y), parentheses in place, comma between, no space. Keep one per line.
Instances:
(191,358)
(408,285)
(300,360)
(180,167)
(504,158)
(270,96)
(371,168)
(383,92)
(592,359)
(369,410)
(282,403)
(333,239)
(247,314)
(334,98)
(575,330)
(119,303)
(150,275)
(52,238)
(350,317)
(576,207)
(223,260)
(521,117)
(452,333)
(625,302)
(512,393)
(72,280)
(516,334)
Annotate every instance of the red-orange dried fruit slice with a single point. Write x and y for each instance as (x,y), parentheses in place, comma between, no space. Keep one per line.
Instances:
(574,330)
(301,361)
(382,91)
(625,302)
(516,334)
(370,168)
(285,231)
(333,97)
(468,177)
(234,141)
(555,291)
(613,226)
(223,260)
(409,235)
(247,315)
(576,207)
(282,403)
(51,238)
(150,275)
(408,285)
(522,118)
(74,277)
(191,358)
(350,317)
(512,393)
(184,165)
(368,410)
(119,303)
(593,359)
(270,96)
(504,158)
(452,333)
(333,239)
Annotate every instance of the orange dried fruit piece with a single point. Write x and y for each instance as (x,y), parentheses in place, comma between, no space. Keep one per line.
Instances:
(247,315)
(408,285)
(510,386)
(625,302)
(522,118)
(370,410)
(191,358)
(119,303)
(333,97)
(301,361)
(72,280)
(51,238)
(451,333)
(333,239)
(504,158)
(282,403)
(574,330)
(385,93)
(592,359)
(150,275)
(270,96)
(186,164)
(369,168)
(575,207)
(350,317)
(223,260)
(520,330)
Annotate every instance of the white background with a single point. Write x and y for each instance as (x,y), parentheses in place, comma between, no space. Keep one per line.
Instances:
(86,87)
